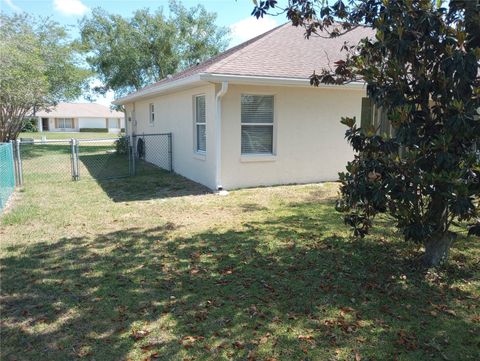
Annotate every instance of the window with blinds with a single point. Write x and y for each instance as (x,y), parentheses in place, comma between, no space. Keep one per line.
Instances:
(257,124)
(64,123)
(152,113)
(200,124)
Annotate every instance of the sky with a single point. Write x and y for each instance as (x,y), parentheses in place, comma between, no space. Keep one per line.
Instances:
(234,14)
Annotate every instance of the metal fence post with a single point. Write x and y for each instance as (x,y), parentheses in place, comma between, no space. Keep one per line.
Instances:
(15,167)
(132,154)
(77,168)
(170,152)
(72,158)
(19,163)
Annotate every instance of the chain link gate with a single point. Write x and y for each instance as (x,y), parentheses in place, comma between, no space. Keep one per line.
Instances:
(106,158)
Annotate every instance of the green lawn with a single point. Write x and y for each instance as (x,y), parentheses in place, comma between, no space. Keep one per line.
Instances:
(68,135)
(157,268)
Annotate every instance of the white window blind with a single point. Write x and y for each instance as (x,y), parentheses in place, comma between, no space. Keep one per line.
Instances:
(152,113)
(200,124)
(65,123)
(114,123)
(257,124)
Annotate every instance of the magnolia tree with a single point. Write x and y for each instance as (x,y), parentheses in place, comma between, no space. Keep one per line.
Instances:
(39,67)
(421,68)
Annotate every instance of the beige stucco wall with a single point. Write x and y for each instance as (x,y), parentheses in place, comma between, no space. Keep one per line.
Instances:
(309,142)
(174,113)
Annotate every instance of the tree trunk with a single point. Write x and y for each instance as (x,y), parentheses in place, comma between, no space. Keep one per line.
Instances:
(436,249)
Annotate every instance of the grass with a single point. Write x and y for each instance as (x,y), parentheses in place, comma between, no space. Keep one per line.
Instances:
(157,268)
(67,135)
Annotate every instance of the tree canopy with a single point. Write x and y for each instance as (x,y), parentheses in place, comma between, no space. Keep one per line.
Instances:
(130,53)
(39,68)
(417,164)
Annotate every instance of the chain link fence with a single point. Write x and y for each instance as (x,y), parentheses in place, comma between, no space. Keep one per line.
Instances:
(151,151)
(103,158)
(7,173)
(74,159)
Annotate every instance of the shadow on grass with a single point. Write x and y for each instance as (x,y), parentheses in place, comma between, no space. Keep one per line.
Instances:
(287,288)
(150,183)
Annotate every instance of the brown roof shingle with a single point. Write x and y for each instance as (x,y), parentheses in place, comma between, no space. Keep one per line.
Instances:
(280,52)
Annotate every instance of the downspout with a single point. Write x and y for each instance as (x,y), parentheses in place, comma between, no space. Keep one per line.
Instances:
(218,138)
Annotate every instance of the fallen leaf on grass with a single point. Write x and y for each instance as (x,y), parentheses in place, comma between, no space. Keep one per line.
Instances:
(239,345)
(308,338)
(406,340)
(252,356)
(189,341)
(450,312)
(139,334)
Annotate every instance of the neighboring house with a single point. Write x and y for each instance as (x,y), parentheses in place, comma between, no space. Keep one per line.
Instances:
(73,117)
(249,116)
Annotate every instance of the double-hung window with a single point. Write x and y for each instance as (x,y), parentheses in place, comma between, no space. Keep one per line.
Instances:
(200,124)
(257,124)
(152,114)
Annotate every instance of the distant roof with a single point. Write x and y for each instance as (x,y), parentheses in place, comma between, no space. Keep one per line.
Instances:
(80,110)
(282,52)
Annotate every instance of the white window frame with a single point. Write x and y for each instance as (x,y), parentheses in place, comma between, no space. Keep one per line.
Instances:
(260,156)
(151,110)
(196,124)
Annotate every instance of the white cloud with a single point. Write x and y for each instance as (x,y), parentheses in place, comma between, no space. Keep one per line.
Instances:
(249,28)
(12,6)
(70,7)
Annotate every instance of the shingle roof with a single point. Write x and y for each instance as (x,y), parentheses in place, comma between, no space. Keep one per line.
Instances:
(280,52)
(80,110)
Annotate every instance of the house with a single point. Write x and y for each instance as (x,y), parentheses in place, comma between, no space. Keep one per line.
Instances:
(73,117)
(249,116)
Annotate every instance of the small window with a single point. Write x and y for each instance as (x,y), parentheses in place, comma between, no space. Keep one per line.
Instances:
(152,114)
(200,124)
(257,124)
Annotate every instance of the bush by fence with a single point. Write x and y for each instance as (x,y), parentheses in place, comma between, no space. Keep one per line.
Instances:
(7,173)
(29,125)
(93,130)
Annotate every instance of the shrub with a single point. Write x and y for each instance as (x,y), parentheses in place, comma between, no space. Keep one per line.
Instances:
(94,130)
(29,125)
(121,145)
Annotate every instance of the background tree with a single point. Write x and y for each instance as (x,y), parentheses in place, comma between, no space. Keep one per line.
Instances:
(128,54)
(39,67)
(421,67)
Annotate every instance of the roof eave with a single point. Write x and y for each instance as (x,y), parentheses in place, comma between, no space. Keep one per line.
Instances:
(204,78)
(274,81)
(174,85)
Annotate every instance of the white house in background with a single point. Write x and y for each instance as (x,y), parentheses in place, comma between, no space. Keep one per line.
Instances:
(72,117)
(249,116)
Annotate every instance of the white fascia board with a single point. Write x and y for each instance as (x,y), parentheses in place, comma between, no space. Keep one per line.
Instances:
(278,81)
(167,87)
(202,78)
